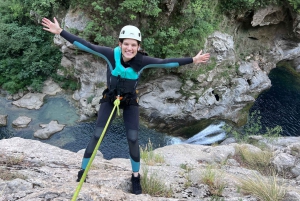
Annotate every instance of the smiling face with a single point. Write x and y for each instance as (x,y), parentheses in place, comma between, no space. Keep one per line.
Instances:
(129,48)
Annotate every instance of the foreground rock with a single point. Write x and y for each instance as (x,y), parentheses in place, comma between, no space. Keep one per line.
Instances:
(44,172)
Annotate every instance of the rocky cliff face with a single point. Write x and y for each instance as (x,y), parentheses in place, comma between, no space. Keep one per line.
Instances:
(33,171)
(242,57)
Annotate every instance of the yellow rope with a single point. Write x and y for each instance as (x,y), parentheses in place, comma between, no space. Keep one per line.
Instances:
(116,103)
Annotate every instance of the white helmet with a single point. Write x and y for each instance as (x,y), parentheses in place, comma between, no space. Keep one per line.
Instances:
(132,32)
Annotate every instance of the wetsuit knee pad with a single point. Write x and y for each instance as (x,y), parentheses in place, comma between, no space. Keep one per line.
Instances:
(134,150)
(93,142)
(132,135)
(98,131)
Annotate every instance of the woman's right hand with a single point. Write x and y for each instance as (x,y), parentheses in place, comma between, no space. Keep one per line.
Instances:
(50,26)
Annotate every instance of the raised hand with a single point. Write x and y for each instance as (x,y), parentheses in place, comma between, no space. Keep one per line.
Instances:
(50,26)
(201,58)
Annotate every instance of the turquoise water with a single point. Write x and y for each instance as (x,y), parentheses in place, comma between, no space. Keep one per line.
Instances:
(54,108)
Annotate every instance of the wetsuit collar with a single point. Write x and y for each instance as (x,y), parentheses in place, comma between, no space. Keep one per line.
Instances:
(135,63)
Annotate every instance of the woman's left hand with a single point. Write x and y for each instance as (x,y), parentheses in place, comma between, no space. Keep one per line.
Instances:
(201,58)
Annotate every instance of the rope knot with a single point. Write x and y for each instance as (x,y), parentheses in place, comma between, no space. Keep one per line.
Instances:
(117,104)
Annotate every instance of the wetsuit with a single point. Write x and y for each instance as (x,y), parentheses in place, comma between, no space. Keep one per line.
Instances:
(118,72)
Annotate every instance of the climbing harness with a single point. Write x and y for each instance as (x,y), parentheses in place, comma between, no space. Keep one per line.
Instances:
(116,103)
(125,98)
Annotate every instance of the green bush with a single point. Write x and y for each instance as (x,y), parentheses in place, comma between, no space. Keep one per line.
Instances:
(240,6)
(27,55)
(69,83)
(295,4)
(182,33)
(253,127)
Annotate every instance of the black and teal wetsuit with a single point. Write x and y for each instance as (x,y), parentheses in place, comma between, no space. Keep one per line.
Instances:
(122,79)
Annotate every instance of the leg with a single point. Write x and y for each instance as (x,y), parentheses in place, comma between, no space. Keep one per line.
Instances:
(131,120)
(103,115)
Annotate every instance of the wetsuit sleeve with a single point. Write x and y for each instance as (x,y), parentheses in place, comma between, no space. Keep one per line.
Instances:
(150,62)
(105,52)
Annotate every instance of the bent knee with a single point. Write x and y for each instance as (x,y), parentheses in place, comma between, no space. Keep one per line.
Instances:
(132,135)
(98,131)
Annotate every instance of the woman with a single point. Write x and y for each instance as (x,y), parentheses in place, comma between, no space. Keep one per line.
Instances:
(124,65)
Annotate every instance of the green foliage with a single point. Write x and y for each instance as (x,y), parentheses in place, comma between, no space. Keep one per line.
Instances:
(150,8)
(240,6)
(185,33)
(21,11)
(273,132)
(90,99)
(45,7)
(27,56)
(67,84)
(295,4)
(253,127)
(237,5)
(10,10)
(193,74)
(181,33)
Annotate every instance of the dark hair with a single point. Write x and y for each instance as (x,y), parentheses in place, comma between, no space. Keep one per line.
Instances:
(142,51)
(122,39)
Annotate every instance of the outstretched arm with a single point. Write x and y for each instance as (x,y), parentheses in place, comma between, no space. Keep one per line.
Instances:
(106,53)
(50,26)
(151,62)
(201,58)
